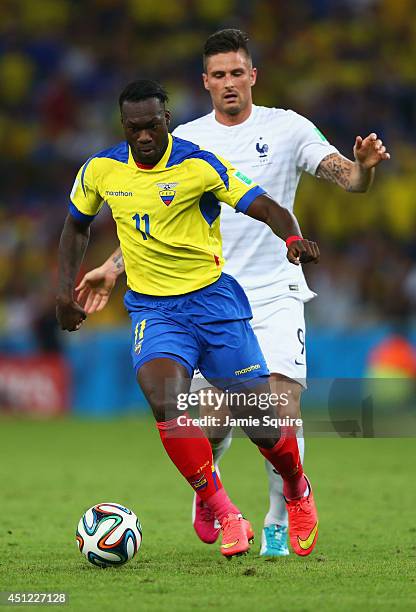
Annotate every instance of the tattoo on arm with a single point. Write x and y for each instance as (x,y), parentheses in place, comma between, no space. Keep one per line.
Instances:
(118,260)
(337,169)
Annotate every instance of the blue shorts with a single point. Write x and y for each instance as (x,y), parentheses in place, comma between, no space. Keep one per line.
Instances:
(207,329)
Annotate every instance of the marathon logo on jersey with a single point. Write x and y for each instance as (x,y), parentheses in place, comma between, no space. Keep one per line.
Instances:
(167,192)
(124,194)
(250,368)
(198,482)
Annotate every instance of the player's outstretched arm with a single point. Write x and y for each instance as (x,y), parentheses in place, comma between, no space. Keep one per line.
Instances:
(284,225)
(72,246)
(355,176)
(96,286)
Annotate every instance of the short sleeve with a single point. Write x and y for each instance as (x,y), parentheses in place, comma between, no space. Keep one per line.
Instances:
(311,146)
(85,201)
(228,184)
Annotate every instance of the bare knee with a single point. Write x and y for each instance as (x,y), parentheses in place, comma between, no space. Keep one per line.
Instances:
(162,381)
(163,408)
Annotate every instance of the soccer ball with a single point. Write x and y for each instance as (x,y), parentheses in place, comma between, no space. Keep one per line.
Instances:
(109,534)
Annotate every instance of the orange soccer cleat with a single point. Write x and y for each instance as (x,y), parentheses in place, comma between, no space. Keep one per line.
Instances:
(249,531)
(237,534)
(303,523)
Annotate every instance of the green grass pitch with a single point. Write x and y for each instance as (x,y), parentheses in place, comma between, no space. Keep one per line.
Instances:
(51,472)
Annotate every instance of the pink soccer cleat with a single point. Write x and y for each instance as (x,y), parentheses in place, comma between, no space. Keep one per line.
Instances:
(205,524)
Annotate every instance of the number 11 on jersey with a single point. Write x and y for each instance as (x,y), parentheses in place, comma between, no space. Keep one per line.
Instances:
(142,225)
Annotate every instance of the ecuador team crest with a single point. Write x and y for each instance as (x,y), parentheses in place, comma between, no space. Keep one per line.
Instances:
(167,192)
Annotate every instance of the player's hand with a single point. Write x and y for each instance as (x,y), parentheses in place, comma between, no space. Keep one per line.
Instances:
(370,151)
(95,289)
(70,315)
(303,251)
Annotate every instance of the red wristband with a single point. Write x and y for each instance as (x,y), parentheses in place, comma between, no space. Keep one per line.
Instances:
(292,239)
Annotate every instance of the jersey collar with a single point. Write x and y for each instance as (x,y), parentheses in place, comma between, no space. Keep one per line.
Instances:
(161,164)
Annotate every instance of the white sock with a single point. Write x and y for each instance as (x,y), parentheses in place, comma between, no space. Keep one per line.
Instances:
(277,514)
(219,448)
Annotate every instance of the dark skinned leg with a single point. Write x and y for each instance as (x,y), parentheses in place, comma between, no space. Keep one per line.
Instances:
(162,380)
(279,385)
(277,514)
(263,436)
(218,409)
(278,445)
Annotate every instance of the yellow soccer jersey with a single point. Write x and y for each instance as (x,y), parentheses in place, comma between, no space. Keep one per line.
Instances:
(167,217)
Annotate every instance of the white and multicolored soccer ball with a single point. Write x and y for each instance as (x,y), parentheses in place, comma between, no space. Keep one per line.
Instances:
(109,534)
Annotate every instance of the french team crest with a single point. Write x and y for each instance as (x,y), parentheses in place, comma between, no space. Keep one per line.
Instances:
(167,192)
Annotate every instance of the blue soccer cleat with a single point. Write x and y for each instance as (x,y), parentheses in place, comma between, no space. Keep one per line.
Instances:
(274,541)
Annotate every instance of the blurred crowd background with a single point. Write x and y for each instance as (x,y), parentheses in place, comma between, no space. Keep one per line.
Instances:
(348,65)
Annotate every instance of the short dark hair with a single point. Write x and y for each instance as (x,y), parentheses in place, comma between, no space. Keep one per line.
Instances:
(225,41)
(142,90)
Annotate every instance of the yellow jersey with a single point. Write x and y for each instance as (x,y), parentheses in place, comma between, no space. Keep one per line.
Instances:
(167,216)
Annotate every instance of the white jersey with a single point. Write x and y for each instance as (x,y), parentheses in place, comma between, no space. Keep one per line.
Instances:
(272,147)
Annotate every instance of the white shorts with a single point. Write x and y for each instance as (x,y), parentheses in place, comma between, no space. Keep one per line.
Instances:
(279,325)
